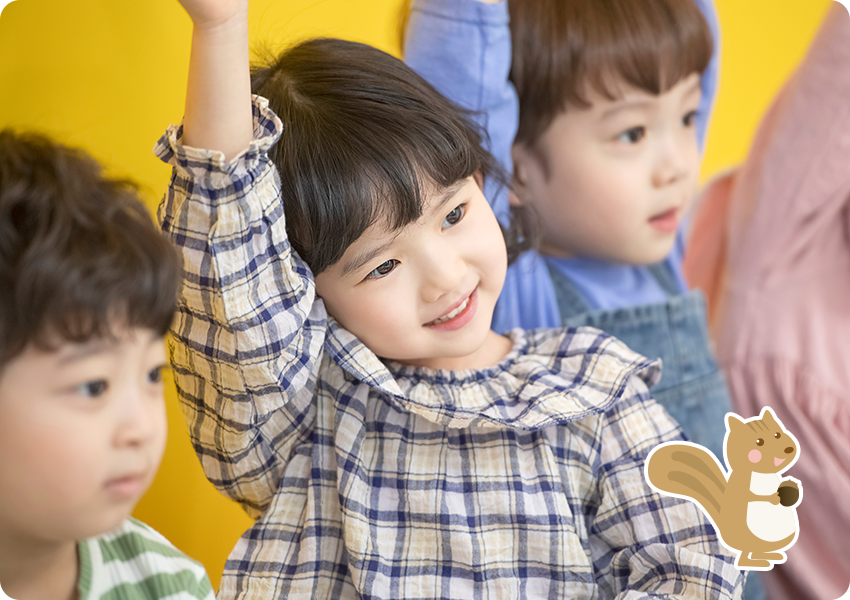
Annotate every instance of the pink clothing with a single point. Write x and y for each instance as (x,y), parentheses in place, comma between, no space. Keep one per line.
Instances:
(705,259)
(783,318)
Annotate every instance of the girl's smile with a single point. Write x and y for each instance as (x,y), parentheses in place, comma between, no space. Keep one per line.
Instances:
(458,316)
(426,293)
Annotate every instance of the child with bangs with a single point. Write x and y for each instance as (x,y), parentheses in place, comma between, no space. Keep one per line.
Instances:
(334,356)
(599,107)
(88,288)
(602,134)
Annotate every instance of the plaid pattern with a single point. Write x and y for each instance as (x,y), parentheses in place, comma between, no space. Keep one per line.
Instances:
(372,479)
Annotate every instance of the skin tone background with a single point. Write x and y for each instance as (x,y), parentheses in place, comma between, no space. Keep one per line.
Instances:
(110,76)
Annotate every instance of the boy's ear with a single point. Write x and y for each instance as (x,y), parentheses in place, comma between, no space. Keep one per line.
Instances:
(520,157)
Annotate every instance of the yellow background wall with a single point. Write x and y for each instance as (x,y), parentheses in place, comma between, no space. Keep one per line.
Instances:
(110,75)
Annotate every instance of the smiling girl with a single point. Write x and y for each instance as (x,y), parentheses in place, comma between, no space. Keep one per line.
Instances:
(334,356)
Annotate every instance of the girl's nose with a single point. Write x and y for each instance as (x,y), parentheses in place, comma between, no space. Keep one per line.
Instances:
(441,275)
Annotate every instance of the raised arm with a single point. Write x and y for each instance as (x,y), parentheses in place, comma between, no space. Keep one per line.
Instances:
(708,81)
(218,95)
(463,49)
(248,337)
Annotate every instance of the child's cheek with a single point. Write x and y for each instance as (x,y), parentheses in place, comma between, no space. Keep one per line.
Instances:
(754,456)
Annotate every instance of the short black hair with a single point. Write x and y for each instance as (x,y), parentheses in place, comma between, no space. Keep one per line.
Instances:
(79,253)
(363,135)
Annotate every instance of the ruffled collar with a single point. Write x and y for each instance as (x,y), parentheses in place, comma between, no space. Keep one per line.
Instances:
(550,377)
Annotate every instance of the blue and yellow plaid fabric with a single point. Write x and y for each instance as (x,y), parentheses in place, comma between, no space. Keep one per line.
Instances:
(370,479)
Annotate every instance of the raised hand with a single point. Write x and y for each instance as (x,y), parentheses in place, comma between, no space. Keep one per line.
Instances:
(214,13)
(218,95)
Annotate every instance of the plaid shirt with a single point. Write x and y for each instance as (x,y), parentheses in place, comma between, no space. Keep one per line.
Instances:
(373,479)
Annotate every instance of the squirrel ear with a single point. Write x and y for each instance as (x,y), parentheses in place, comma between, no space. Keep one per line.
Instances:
(767,415)
(733,421)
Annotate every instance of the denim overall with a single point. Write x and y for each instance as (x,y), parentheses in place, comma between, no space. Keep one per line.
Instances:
(692,387)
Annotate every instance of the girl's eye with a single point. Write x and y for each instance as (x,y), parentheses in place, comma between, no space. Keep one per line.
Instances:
(155,375)
(689,119)
(383,270)
(633,135)
(777,435)
(455,216)
(92,389)
(759,442)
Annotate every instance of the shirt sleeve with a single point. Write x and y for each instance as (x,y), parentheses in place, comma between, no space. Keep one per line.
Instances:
(463,49)
(708,81)
(644,544)
(248,336)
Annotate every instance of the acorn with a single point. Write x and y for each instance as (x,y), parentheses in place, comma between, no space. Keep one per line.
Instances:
(788,494)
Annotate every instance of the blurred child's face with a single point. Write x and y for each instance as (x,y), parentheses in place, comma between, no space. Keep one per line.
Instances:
(425,294)
(82,432)
(613,181)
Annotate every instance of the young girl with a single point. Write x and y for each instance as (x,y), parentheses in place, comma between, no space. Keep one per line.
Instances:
(602,133)
(335,360)
(605,114)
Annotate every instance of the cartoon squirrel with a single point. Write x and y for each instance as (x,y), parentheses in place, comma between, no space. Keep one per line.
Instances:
(751,508)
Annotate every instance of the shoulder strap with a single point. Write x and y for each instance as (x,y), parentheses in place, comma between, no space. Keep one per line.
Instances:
(666,278)
(570,301)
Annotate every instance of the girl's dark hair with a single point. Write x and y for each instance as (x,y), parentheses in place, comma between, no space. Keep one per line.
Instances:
(564,48)
(79,254)
(363,136)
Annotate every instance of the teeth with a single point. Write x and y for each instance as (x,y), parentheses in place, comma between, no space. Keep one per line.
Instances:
(452,314)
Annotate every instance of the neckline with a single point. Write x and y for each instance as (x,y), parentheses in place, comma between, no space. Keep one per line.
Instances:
(519,347)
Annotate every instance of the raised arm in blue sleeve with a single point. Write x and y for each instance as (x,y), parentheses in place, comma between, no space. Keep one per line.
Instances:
(708,81)
(463,48)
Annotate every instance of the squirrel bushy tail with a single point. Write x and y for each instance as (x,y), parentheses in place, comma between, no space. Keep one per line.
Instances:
(688,471)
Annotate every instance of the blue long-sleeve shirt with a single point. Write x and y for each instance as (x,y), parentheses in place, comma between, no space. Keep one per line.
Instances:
(463,48)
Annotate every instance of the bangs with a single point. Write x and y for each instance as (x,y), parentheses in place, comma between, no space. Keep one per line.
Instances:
(648,45)
(565,49)
(363,138)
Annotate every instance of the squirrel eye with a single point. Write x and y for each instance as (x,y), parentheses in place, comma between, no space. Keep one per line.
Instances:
(759,442)
(777,435)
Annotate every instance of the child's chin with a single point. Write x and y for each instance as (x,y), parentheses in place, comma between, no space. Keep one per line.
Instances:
(97,525)
(650,256)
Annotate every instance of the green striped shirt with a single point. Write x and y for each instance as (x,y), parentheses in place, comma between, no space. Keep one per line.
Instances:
(134,562)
